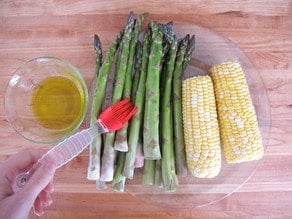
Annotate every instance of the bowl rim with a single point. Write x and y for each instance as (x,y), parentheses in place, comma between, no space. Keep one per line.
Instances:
(82,82)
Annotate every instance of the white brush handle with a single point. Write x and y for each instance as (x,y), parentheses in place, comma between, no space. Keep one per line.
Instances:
(60,154)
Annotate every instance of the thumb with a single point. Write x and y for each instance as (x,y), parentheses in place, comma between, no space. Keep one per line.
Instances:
(38,181)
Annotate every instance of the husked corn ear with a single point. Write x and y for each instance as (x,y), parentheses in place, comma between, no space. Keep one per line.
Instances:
(201,128)
(240,135)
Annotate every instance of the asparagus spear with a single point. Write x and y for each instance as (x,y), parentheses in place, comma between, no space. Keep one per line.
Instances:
(139,159)
(180,157)
(136,71)
(158,174)
(148,175)
(98,62)
(151,145)
(135,123)
(98,53)
(189,52)
(109,154)
(167,30)
(94,154)
(93,172)
(99,185)
(169,178)
(118,183)
(121,143)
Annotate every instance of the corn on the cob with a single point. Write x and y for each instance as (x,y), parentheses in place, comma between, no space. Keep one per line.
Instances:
(240,135)
(201,128)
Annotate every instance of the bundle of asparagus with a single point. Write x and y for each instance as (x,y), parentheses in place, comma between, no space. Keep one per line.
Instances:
(149,71)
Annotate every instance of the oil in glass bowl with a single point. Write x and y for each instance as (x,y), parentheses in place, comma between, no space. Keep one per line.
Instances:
(57,103)
(46,100)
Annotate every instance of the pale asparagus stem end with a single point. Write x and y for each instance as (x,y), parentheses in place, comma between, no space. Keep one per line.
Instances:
(100,185)
(139,159)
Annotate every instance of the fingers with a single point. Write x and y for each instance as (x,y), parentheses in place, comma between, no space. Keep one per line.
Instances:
(38,207)
(37,190)
(45,198)
(41,178)
(24,159)
(39,181)
(50,187)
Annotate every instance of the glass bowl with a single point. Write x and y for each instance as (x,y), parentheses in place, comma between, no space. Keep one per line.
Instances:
(46,100)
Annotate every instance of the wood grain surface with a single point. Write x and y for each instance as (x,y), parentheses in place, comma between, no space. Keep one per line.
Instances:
(261,29)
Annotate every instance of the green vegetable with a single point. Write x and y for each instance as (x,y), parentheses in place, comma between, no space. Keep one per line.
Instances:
(169,178)
(109,154)
(150,73)
(148,176)
(189,52)
(139,159)
(179,146)
(119,179)
(158,174)
(136,71)
(151,144)
(98,54)
(121,143)
(135,123)
(101,75)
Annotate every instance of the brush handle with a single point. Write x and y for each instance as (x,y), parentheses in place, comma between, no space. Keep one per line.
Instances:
(60,154)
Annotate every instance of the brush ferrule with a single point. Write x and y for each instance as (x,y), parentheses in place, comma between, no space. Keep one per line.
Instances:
(101,127)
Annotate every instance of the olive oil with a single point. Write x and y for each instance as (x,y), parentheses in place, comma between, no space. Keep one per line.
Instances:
(57,103)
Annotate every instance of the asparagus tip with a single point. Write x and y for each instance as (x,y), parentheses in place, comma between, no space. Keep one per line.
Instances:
(97,42)
(131,18)
(169,24)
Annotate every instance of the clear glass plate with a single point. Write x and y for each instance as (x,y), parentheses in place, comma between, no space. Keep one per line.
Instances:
(211,48)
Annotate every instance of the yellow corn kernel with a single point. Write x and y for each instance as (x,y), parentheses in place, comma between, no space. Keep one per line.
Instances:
(201,128)
(240,134)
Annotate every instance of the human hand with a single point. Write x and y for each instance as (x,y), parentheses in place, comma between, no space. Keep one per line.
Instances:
(37,191)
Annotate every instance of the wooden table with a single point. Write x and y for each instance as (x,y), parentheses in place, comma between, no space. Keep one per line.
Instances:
(262,29)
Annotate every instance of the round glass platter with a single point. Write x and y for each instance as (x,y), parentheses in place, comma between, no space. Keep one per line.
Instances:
(211,48)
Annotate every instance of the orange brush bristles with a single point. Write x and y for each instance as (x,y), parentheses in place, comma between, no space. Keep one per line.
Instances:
(114,117)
